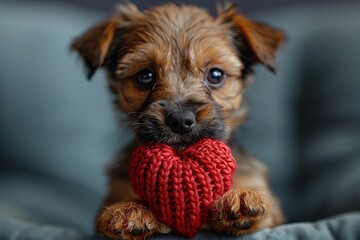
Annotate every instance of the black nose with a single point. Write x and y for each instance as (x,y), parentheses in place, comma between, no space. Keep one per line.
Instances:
(181,122)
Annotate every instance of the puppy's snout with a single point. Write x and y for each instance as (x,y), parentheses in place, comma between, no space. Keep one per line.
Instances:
(181,122)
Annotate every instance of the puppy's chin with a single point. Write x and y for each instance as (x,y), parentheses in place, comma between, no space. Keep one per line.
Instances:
(162,134)
(185,141)
(182,145)
(180,142)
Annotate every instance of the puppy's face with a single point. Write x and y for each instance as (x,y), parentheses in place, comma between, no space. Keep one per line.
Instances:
(178,72)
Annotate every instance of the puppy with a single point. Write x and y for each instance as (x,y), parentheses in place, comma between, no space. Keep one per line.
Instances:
(179,75)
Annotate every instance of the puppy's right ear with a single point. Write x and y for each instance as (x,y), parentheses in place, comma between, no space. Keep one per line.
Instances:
(94,44)
(256,42)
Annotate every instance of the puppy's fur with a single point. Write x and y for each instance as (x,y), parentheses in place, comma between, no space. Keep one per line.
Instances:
(179,47)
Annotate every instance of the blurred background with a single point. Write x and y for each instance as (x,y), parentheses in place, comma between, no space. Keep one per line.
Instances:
(58,132)
(244,6)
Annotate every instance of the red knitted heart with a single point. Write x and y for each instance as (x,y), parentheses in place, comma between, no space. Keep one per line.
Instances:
(180,187)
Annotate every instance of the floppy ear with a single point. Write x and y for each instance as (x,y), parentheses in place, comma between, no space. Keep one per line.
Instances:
(94,44)
(257,41)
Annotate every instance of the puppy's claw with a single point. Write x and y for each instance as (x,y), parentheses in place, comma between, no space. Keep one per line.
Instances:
(242,226)
(137,231)
(234,215)
(262,211)
(164,229)
(252,212)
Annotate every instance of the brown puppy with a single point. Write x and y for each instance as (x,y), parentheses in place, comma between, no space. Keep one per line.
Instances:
(179,74)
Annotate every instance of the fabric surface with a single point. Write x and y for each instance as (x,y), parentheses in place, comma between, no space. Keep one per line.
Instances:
(339,227)
(52,120)
(58,130)
(15,229)
(344,227)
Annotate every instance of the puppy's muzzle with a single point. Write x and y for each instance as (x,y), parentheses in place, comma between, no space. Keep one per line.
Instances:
(181,122)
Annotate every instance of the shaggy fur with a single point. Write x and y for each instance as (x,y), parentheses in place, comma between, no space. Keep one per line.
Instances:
(180,45)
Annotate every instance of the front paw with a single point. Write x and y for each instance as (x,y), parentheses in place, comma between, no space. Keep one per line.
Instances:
(240,212)
(128,220)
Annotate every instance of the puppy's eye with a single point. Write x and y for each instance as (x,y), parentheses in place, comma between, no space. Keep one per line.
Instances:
(215,77)
(145,78)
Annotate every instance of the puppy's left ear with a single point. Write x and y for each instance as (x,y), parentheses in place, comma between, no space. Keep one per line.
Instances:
(257,42)
(94,44)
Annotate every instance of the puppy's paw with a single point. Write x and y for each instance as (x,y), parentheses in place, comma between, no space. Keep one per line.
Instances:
(240,212)
(128,220)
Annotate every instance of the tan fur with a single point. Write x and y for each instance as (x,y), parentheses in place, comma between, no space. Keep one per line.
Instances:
(128,220)
(180,44)
(263,41)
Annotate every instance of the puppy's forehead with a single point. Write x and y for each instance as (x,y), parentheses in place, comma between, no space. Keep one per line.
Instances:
(181,37)
(173,19)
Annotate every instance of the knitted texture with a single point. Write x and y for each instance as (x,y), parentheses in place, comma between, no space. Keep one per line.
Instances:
(179,187)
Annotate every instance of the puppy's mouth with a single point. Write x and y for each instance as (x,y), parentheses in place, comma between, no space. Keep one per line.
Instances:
(152,130)
(184,141)
(178,124)
(177,141)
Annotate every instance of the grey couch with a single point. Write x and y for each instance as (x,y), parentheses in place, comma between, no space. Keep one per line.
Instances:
(59,131)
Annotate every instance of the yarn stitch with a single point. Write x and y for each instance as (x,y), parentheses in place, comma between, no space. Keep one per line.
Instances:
(179,187)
